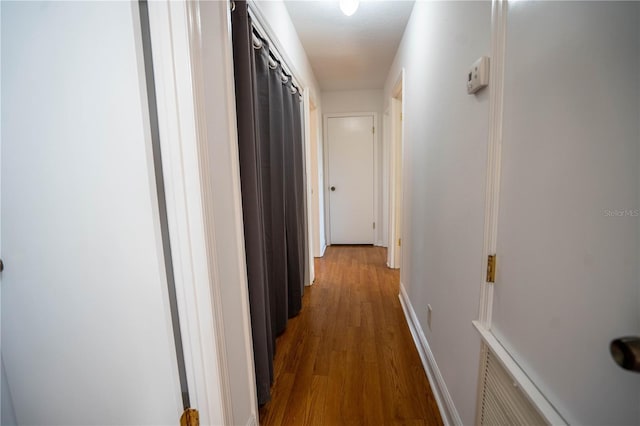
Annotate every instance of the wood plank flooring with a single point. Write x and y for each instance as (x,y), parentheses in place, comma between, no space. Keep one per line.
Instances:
(348,357)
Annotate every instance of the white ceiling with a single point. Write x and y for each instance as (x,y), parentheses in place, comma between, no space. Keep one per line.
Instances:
(350,52)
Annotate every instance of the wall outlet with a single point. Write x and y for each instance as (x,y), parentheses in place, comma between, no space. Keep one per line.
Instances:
(429,311)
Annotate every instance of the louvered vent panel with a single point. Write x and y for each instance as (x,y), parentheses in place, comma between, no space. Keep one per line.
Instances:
(503,402)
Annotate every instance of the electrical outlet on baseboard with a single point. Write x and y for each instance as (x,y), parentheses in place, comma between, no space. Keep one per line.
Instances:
(429,311)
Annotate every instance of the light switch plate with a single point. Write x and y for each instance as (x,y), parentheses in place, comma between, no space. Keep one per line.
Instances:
(478,75)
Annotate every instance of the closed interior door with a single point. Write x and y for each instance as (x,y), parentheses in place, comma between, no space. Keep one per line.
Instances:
(567,277)
(86,329)
(350,146)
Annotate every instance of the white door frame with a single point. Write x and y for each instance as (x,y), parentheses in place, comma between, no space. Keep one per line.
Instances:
(376,153)
(492,196)
(308,110)
(207,241)
(316,184)
(396,172)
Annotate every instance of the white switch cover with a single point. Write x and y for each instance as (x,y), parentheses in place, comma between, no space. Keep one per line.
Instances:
(478,76)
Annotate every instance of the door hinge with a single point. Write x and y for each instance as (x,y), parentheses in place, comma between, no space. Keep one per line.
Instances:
(373,130)
(400,116)
(374,225)
(190,417)
(491,268)
(399,242)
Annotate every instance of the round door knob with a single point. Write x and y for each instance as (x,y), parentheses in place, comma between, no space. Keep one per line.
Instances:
(333,188)
(626,352)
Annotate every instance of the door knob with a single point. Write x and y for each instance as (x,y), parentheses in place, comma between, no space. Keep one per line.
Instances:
(1,265)
(333,188)
(626,352)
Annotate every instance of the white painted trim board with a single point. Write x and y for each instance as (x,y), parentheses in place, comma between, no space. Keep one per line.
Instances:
(443,398)
(528,388)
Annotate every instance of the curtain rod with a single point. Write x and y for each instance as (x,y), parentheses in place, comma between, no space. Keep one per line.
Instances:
(264,35)
(258,43)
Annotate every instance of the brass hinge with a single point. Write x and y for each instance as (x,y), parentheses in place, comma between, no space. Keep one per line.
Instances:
(373,130)
(190,417)
(399,242)
(491,268)
(374,225)
(400,116)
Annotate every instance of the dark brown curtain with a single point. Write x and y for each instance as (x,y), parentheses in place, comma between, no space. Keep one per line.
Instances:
(270,145)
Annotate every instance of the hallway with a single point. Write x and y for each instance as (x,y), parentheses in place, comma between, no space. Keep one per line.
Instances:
(348,357)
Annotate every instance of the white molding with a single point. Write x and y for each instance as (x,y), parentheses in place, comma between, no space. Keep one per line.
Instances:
(492,186)
(492,197)
(396,196)
(445,403)
(308,194)
(325,192)
(181,34)
(324,248)
(376,171)
(252,421)
(179,139)
(519,377)
(385,178)
(225,198)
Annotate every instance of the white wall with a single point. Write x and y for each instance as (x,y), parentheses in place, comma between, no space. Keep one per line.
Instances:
(445,156)
(352,101)
(86,327)
(7,413)
(346,101)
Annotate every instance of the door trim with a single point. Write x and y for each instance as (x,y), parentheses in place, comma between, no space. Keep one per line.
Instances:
(494,151)
(308,109)
(376,171)
(183,53)
(396,177)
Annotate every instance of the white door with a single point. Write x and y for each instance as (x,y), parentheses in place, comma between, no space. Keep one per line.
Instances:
(86,331)
(350,183)
(568,250)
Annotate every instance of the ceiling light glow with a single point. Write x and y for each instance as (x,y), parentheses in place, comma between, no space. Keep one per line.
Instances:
(349,7)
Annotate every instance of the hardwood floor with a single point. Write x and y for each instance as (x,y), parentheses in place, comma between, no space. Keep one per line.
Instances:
(348,357)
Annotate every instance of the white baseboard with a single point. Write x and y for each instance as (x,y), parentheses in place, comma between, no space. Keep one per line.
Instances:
(252,421)
(324,248)
(448,410)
